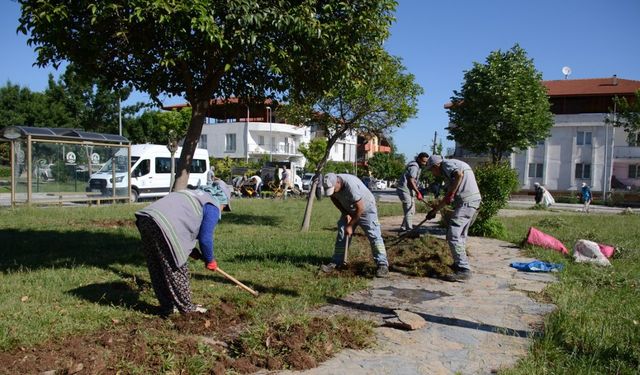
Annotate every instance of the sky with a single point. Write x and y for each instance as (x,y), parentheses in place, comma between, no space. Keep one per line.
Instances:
(439,40)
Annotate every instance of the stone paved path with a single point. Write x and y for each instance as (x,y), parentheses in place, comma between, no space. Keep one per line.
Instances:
(475,327)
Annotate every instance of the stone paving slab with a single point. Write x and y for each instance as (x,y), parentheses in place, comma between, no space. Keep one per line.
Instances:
(475,327)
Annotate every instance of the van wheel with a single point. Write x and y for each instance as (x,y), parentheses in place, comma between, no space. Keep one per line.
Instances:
(134,196)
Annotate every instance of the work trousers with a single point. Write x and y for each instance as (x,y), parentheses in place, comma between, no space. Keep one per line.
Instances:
(408,207)
(463,217)
(371,227)
(170,282)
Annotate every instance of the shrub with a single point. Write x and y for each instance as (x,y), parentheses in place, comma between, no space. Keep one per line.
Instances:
(5,171)
(496,183)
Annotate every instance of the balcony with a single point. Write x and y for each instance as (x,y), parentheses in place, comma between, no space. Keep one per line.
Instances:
(626,152)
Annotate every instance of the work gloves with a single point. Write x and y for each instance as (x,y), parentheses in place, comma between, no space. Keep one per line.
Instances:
(419,196)
(449,198)
(213,265)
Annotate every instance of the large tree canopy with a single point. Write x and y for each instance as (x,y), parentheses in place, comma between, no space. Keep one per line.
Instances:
(201,49)
(502,106)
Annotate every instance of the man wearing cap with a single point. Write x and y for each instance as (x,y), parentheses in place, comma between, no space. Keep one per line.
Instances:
(407,188)
(463,192)
(169,229)
(358,207)
(586,197)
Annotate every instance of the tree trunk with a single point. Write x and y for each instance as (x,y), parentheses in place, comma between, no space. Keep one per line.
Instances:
(306,222)
(198,113)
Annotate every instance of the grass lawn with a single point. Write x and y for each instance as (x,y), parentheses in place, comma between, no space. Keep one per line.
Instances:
(75,278)
(80,271)
(596,327)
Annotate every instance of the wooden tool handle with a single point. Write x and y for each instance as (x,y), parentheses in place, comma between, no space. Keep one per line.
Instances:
(238,283)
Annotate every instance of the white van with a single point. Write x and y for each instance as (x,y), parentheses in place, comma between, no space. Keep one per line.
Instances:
(150,172)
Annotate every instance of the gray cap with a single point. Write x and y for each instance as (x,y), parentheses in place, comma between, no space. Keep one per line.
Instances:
(433,160)
(329,183)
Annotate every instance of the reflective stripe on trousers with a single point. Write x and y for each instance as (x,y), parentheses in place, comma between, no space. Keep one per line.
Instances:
(462,218)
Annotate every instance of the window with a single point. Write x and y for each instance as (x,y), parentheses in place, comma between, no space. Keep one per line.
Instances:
(163,165)
(634,171)
(535,170)
(583,171)
(230,143)
(202,143)
(634,140)
(198,166)
(261,140)
(142,169)
(583,138)
(540,142)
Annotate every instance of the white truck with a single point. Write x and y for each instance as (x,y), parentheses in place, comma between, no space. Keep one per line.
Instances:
(150,172)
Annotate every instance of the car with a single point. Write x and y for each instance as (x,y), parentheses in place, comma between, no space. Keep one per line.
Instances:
(378,184)
(306,181)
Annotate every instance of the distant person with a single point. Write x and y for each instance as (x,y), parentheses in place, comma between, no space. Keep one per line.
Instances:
(463,192)
(407,188)
(284,180)
(586,197)
(256,181)
(358,208)
(169,229)
(542,195)
(211,175)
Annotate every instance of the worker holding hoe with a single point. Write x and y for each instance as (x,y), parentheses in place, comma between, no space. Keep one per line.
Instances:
(358,208)
(170,228)
(463,192)
(407,188)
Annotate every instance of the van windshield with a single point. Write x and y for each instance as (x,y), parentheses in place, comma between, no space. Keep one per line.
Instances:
(121,164)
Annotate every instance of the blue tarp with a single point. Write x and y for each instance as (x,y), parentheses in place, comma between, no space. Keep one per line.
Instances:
(537,266)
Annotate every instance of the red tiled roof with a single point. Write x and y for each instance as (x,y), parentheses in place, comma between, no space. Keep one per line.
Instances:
(594,86)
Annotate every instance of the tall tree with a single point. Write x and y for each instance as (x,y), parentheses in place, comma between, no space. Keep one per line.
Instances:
(313,152)
(626,115)
(154,126)
(374,101)
(20,106)
(201,49)
(502,106)
(386,166)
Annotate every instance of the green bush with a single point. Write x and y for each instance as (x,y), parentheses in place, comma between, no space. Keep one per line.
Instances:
(5,171)
(496,183)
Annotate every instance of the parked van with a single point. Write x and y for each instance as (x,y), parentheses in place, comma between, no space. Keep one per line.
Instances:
(150,172)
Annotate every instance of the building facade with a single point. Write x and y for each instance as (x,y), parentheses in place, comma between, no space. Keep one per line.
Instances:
(253,132)
(582,147)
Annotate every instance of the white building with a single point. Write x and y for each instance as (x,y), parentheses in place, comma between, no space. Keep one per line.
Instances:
(581,147)
(234,130)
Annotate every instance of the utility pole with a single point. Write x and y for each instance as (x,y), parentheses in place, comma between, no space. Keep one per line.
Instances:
(435,145)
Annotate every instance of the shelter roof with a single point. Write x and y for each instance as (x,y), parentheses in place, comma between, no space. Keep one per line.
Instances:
(63,134)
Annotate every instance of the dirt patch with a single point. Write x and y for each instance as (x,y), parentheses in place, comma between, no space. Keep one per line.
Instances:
(414,255)
(215,342)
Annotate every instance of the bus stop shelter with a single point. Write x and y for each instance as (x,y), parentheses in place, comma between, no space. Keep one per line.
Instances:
(54,165)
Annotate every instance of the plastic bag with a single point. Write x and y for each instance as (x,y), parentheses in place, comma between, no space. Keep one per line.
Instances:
(589,252)
(537,266)
(538,238)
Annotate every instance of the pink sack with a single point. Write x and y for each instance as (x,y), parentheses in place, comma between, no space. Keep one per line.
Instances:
(538,238)
(606,250)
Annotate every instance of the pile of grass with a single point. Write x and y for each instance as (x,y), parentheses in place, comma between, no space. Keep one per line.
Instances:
(596,327)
